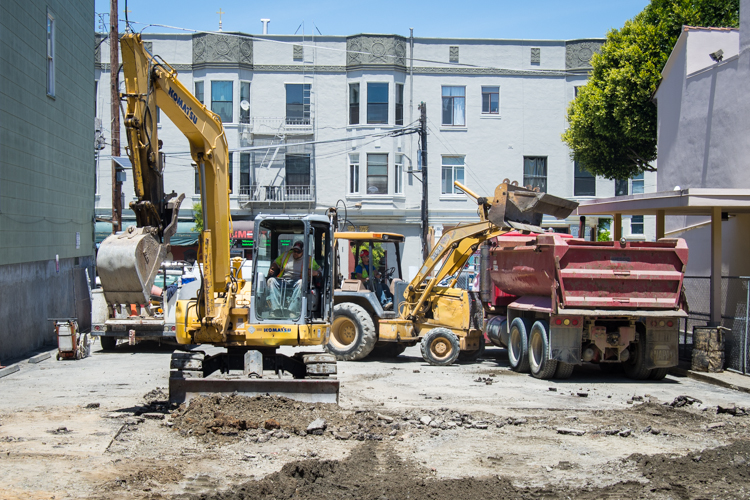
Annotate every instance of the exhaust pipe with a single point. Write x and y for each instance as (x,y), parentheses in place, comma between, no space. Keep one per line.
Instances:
(485,283)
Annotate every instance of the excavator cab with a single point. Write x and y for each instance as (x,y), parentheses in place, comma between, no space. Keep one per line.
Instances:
(292,270)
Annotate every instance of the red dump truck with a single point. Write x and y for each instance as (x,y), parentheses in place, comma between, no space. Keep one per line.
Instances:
(561,301)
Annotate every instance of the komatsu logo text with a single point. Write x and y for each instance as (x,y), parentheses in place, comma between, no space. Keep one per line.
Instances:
(183,106)
(277,330)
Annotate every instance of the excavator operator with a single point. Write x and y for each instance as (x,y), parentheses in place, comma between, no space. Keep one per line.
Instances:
(288,267)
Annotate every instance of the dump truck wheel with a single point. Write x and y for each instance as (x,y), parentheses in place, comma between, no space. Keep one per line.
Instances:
(518,346)
(352,333)
(635,366)
(564,370)
(108,343)
(541,366)
(440,347)
(658,373)
(471,356)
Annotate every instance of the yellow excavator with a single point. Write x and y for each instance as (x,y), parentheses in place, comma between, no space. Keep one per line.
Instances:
(243,308)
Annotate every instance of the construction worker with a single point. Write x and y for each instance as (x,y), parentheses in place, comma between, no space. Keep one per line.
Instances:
(361,272)
(288,267)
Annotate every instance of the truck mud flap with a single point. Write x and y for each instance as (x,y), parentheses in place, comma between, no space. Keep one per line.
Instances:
(306,390)
(565,345)
(662,348)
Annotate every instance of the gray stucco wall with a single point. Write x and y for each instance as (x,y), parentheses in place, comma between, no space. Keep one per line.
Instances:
(46,166)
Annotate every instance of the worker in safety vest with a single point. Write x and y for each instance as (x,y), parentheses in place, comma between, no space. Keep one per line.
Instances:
(288,266)
(361,272)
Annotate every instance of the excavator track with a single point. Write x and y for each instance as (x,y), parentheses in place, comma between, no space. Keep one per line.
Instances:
(194,374)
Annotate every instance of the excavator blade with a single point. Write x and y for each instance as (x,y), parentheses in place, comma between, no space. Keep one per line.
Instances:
(515,206)
(127,264)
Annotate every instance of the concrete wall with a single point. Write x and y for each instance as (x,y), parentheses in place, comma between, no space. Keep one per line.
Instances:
(533,104)
(46,166)
(30,293)
(703,115)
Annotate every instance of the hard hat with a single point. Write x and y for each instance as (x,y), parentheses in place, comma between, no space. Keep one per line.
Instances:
(364,253)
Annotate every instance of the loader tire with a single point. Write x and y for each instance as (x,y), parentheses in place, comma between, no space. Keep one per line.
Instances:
(353,333)
(564,370)
(387,350)
(440,347)
(108,343)
(539,363)
(635,366)
(658,373)
(518,346)
(471,356)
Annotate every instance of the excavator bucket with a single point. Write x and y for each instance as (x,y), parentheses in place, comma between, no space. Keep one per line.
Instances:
(516,206)
(127,264)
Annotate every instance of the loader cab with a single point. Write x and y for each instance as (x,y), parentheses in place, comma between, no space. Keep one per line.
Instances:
(293,269)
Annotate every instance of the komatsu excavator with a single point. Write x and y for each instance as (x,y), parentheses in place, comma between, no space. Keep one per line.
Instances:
(237,307)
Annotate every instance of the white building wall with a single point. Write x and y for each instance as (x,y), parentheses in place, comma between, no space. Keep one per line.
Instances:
(532,117)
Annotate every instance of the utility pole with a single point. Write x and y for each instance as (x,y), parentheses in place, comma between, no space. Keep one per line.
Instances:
(423,152)
(114,69)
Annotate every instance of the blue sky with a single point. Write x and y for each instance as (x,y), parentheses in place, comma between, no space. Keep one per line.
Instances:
(529,19)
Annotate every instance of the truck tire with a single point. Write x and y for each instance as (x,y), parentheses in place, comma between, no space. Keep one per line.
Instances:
(352,333)
(108,343)
(635,366)
(564,370)
(518,346)
(471,356)
(658,373)
(539,363)
(387,350)
(440,347)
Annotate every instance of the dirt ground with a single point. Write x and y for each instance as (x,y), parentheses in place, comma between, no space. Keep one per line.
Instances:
(403,430)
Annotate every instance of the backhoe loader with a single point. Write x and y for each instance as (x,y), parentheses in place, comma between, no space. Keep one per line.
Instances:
(250,315)
(447,320)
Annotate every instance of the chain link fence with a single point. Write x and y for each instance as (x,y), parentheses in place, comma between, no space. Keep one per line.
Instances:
(735,297)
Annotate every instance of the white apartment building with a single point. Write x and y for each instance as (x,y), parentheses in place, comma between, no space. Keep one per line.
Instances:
(496,109)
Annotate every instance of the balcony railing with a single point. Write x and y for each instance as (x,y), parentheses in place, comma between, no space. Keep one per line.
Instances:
(276,194)
(277,126)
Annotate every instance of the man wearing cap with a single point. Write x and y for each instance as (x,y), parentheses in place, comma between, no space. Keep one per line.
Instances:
(288,266)
(361,272)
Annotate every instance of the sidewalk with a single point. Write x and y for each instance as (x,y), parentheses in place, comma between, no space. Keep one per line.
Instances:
(726,379)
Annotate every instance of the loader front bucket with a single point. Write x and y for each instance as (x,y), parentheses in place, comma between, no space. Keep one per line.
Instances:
(516,204)
(127,264)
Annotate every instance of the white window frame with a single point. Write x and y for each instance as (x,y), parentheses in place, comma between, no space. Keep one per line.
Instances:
(50,38)
(493,114)
(203,91)
(454,191)
(354,178)
(398,175)
(239,101)
(635,223)
(367,176)
(232,94)
(453,104)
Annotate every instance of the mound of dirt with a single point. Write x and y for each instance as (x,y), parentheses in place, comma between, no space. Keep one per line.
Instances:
(375,471)
(234,417)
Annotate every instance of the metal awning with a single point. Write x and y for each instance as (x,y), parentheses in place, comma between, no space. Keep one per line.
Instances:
(185,235)
(693,201)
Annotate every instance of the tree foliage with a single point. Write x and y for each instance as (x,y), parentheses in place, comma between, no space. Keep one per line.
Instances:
(612,121)
(198,217)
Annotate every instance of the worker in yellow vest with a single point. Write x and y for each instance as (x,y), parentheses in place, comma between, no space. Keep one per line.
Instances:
(288,267)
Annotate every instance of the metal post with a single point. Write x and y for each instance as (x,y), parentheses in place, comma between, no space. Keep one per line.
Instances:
(747,317)
(716,299)
(114,69)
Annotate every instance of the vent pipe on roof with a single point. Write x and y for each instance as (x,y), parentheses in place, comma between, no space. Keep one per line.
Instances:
(265,25)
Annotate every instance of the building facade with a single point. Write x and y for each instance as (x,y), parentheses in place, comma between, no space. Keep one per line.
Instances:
(316,122)
(46,168)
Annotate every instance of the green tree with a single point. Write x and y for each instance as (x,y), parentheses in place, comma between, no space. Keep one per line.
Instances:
(612,121)
(198,217)
(602,230)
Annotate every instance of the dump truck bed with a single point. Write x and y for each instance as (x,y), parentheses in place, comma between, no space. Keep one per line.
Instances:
(591,275)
